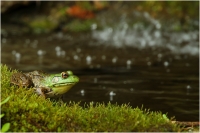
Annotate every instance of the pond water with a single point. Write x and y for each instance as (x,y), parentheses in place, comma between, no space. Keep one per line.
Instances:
(142,66)
(156,79)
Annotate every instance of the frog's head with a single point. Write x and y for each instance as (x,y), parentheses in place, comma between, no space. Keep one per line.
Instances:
(61,83)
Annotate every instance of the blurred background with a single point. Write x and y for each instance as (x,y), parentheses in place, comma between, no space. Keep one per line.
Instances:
(142,53)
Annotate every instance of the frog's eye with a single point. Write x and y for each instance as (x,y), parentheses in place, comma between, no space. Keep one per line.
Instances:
(64,75)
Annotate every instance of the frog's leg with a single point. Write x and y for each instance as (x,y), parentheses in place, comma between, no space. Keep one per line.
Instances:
(42,91)
(50,94)
(53,95)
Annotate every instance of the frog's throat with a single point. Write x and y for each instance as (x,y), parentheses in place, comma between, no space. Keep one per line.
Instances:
(60,89)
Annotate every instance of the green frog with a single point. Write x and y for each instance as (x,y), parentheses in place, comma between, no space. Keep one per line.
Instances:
(49,86)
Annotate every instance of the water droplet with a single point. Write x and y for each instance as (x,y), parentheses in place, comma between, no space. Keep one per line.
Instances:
(58,53)
(76,57)
(34,44)
(57,48)
(146,15)
(159,55)
(152,43)
(112,93)
(88,59)
(17,57)
(40,52)
(110,30)
(94,26)
(143,43)
(13,52)
(157,34)
(128,62)
(188,87)
(114,60)
(78,50)
(103,57)
(149,63)
(158,25)
(59,35)
(63,53)
(95,80)
(82,92)
(166,63)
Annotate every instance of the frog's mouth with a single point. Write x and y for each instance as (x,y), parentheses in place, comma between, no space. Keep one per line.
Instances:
(64,84)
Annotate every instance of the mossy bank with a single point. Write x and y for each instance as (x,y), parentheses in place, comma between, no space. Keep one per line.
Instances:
(27,112)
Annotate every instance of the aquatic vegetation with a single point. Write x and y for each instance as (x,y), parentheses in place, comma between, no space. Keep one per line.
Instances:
(42,25)
(28,112)
(79,26)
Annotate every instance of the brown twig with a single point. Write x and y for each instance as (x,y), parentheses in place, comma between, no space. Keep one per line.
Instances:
(187,124)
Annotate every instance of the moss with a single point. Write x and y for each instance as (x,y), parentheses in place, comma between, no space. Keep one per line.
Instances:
(79,25)
(6,126)
(28,112)
(42,25)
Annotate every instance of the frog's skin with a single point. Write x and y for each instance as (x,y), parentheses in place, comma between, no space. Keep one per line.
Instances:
(53,85)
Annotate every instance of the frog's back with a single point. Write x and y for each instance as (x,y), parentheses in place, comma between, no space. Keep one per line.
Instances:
(37,77)
(21,80)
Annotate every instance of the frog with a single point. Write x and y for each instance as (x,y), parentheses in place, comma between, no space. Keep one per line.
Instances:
(45,85)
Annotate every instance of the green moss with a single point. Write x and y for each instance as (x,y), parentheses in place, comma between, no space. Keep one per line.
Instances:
(28,112)
(6,126)
(79,25)
(42,25)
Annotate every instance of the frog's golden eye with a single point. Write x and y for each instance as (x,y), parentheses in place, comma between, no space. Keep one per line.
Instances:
(64,75)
